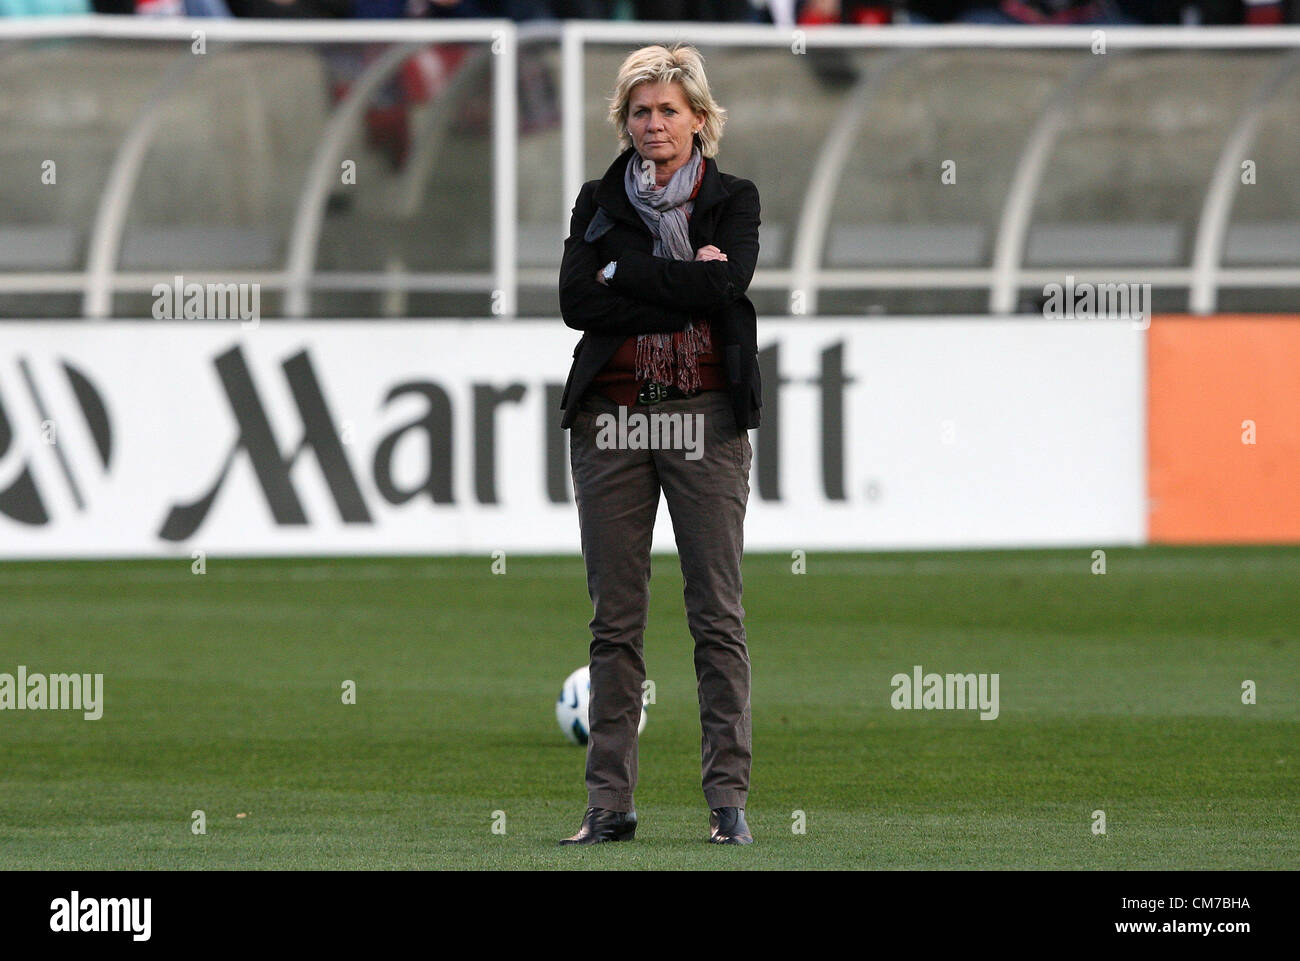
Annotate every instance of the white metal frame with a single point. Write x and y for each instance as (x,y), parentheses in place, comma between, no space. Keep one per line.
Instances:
(105,244)
(1008,270)
(304,240)
(1017,212)
(1212,230)
(1203,278)
(815,212)
(102,277)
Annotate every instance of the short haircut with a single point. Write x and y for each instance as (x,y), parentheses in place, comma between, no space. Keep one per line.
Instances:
(681,64)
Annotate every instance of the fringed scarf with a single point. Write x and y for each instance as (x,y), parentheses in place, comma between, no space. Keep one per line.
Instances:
(669,358)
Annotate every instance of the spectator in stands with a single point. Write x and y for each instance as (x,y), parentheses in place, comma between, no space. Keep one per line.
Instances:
(836,68)
(1019,12)
(864,12)
(291,9)
(1255,13)
(1265,13)
(1108,12)
(1055,12)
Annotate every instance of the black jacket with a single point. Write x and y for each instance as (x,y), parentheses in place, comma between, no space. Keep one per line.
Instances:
(652,295)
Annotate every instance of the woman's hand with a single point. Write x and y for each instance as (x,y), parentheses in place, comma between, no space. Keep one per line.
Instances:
(707,252)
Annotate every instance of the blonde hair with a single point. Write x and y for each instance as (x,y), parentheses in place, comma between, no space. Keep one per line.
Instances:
(682,64)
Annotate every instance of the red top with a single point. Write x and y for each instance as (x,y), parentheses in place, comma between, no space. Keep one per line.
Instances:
(617,379)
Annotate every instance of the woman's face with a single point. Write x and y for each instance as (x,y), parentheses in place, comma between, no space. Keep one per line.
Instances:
(660,122)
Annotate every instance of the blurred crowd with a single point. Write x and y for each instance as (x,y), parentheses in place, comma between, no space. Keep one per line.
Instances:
(779,12)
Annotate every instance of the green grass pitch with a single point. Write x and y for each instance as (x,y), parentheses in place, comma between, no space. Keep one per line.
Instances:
(1119,692)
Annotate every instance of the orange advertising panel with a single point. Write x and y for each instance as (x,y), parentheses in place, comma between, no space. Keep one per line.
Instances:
(1223,429)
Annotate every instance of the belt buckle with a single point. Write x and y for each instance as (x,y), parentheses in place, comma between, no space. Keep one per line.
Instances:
(653,393)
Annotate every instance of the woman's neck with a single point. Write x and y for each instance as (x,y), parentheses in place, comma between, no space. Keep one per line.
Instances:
(664,172)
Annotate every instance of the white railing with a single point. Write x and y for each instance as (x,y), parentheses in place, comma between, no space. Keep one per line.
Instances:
(102,276)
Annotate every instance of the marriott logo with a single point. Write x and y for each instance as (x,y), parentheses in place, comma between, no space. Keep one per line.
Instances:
(273,458)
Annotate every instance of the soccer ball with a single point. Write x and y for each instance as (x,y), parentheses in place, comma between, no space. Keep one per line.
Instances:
(571,706)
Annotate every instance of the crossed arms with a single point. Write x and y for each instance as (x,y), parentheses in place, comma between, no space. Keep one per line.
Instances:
(654,295)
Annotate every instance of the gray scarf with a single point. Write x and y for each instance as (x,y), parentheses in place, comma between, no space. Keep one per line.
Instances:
(668,358)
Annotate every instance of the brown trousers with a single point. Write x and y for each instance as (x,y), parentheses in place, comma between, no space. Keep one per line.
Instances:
(617,494)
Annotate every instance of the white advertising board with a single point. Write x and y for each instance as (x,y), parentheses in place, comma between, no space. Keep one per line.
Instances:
(138,439)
